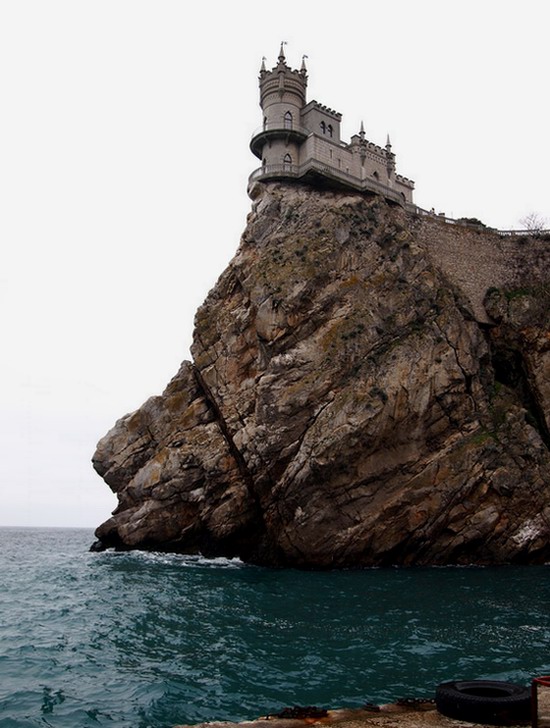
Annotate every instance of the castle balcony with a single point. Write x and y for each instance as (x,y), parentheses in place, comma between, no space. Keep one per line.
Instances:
(323,175)
(275,171)
(276,130)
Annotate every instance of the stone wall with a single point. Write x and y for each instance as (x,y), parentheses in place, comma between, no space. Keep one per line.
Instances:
(475,259)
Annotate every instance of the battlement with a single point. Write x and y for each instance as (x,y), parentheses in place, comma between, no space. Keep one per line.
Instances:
(404,181)
(330,112)
(300,140)
(299,77)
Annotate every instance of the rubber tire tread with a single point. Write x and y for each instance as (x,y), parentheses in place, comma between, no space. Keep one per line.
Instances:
(453,701)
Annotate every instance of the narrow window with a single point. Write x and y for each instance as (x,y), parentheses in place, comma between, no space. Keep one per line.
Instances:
(265,122)
(323,127)
(288,120)
(287,163)
(329,129)
(375,175)
(264,163)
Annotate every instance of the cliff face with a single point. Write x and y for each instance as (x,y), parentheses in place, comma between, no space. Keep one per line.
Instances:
(344,406)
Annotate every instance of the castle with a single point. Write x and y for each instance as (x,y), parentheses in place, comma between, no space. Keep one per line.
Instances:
(300,140)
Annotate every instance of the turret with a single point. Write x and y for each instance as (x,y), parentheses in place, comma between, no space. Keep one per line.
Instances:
(283,93)
(390,159)
(282,97)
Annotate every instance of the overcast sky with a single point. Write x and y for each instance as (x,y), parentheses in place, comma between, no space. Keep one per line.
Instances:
(123,166)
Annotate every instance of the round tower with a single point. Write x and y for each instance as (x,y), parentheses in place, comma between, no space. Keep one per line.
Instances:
(282,98)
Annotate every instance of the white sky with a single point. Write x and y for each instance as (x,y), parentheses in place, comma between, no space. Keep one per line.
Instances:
(124,132)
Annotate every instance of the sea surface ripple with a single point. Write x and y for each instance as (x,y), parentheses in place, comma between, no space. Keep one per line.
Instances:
(147,640)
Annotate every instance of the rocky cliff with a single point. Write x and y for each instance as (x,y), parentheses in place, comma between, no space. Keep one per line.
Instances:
(347,404)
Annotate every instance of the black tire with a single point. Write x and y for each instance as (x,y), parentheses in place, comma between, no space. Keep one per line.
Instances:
(484,701)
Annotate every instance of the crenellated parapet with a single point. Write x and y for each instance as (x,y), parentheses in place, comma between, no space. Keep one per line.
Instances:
(404,181)
(301,140)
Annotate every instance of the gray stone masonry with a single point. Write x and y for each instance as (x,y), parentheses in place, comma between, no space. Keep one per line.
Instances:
(301,140)
(476,258)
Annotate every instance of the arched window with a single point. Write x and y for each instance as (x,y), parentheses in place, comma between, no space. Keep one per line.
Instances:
(329,129)
(287,163)
(288,120)
(376,175)
(323,127)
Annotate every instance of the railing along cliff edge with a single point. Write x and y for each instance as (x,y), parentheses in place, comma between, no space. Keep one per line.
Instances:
(476,226)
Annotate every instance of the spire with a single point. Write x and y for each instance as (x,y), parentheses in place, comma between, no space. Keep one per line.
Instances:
(263,69)
(282,58)
(303,69)
(390,159)
(362,131)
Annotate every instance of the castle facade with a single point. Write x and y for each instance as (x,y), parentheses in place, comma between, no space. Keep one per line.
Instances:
(301,140)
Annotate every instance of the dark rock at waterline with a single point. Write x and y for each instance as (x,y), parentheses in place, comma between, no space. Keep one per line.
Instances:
(97,546)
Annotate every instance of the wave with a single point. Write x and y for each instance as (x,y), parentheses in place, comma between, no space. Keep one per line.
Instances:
(183,560)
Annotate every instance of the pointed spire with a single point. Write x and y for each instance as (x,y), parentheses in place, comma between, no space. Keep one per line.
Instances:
(303,68)
(390,159)
(362,131)
(282,58)
(263,69)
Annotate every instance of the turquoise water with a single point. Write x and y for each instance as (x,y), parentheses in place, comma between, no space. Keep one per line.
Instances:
(148,640)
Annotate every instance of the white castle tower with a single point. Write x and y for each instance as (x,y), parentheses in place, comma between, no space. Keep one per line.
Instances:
(301,140)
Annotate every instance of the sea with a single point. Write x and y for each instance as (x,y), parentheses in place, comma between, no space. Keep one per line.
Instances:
(151,640)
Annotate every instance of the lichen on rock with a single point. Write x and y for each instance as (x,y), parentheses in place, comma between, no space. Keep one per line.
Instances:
(343,407)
